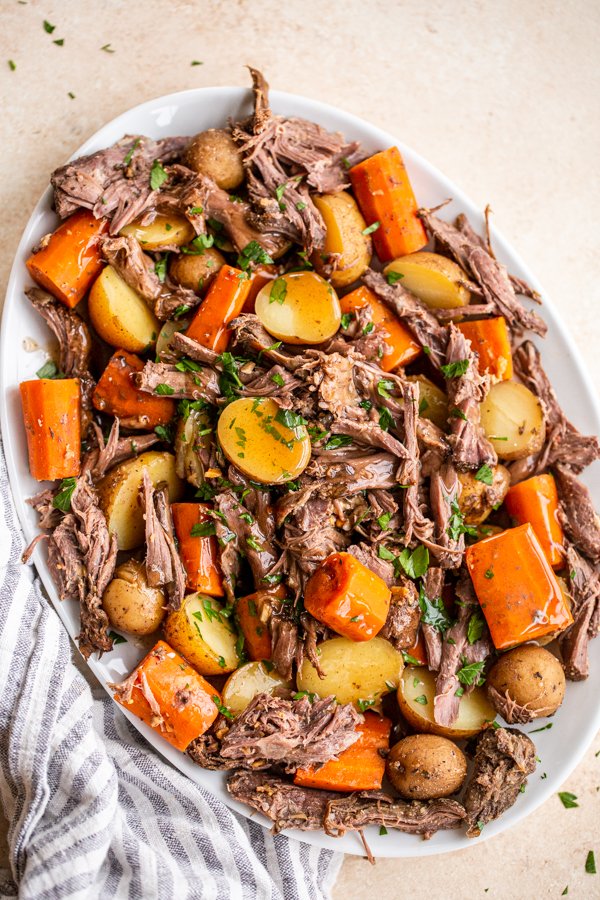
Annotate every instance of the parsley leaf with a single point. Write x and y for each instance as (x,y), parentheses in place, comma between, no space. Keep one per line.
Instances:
(62,500)
(383,388)
(49,370)
(456,523)
(222,709)
(278,291)
(371,228)
(289,418)
(158,176)
(568,800)
(253,253)
(346,319)
(130,153)
(165,390)
(422,700)
(433,612)
(484,474)
(48,28)
(455,369)
(385,419)
(457,413)
(117,638)
(471,673)
(475,627)
(590,863)
(415,564)
(160,267)
(393,277)
(365,704)
(338,440)
(277,379)
(384,520)
(203,529)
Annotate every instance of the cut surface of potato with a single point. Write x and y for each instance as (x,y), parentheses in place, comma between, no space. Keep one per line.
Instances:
(167,331)
(434,279)
(345,236)
(195,270)
(247,682)
(214,153)
(119,494)
(513,420)
(433,402)
(299,308)
(415,699)
(165,231)
(261,439)
(130,603)
(353,672)
(203,635)
(119,315)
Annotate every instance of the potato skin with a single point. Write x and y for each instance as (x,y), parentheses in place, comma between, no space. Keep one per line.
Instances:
(119,315)
(345,226)
(130,603)
(425,767)
(195,271)
(526,683)
(215,154)
(477,499)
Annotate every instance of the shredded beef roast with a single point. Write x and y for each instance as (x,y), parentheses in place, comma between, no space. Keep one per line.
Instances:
(503,759)
(286,804)
(584,583)
(375,808)
(402,623)
(293,732)
(577,513)
(163,563)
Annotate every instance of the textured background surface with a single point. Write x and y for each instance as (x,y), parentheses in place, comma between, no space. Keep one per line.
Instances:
(503,97)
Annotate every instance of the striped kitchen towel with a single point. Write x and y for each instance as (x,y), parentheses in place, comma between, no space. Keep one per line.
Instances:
(93,812)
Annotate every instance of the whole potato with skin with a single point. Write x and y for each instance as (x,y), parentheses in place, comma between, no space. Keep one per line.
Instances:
(345,236)
(130,603)
(425,767)
(478,499)
(526,683)
(195,270)
(215,154)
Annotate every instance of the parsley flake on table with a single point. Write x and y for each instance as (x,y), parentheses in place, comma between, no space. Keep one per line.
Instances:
(568,800)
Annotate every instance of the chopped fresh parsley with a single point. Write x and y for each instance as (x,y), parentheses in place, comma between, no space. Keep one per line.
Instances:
(382,830)
(62,499)
(253,253)
(48,28)
(410,660)
(384,520)
(456,523)
(543,728)
(196,62)
(49,370)
(475,627)
(253,543)
(107,49)
(457,413)
(289,418)
(59,42)
(590,863)
(433,612)
(346,319)
(423,405)
(471,673)
(568,800)
(484,474)
(277,379)
(222,709)
(414,563)
(455,369)
(278,291)
(371,228)
(385,419)
(117,638)
(164,390)
(300,694)
(384,387)
(203,529)
(165,433)
(489,573)
(160,267)
(181,311)
(300,206)
(422,700)
(229,380)
(393,277)
(158,175)
(131,151)
(365,704)
(338,440)
(369,327)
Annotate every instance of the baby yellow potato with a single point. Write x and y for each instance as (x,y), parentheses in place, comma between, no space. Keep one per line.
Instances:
(345,236)
(426,767)
(433,402)
(526,683)
(203,635)
(249,680)
(263,440)
(478,499)
(165,231)
(130,603)
(415,699)
(299,308)
(359,673)
(433,278)
(214,153)
(195,270)
(513,420)
(119,493)
(119,315)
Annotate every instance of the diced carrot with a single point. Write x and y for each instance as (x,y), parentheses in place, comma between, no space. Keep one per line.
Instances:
(348,597)
(418,651)
(252,618)
(69,262)
(490,339)
(516,587)
(359,768)
(52,413)
(223,302)
(403,348)
(536,501)
(170,696)
(385,195)
(262,275)
(117,394)
(199,555)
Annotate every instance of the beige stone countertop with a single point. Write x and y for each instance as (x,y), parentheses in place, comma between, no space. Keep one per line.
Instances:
(503,97)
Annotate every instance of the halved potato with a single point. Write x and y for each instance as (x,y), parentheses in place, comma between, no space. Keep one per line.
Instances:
(195,270)
(249,680)
(119,494)
(478,499)
(433,278)
(299,308)
(119,315)
(513,420)
(255,436)
(433,402)
(165,231)
(415,699)
(358,673)
(131,604)
(345,236)
(203,635)
(166,332)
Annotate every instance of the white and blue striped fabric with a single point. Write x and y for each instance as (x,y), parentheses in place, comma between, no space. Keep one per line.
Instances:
(93,811)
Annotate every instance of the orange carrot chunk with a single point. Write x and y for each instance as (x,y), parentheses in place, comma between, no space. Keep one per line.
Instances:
(359,768)
(51,412)
(417,653)
(536,501)
(385,195)
(117,394)
(223,302)
(70,261)
(349,598)
(401,345)
(252,612)
(490,339)
(262,275)
(167,694)
(199,552)
(516,587)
